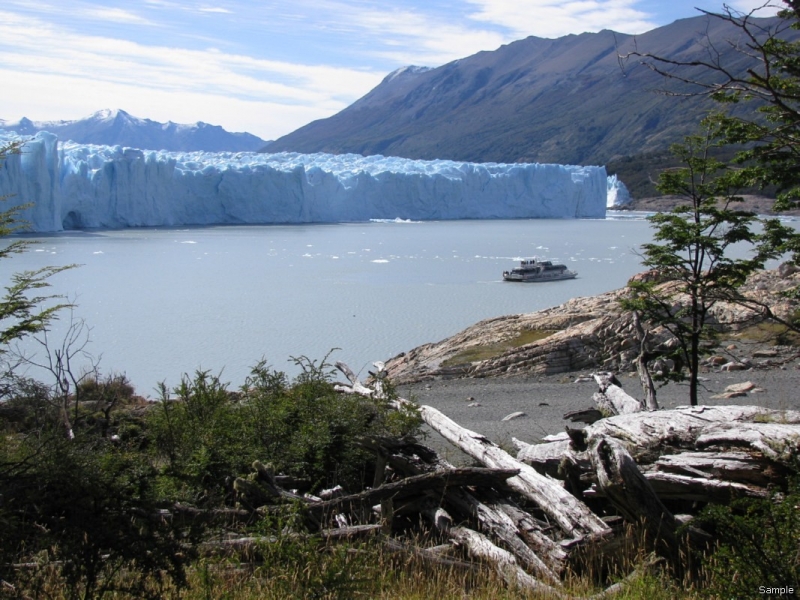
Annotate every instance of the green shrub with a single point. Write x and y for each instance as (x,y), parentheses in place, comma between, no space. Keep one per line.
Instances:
(207,435)
(758,545)
(87,510)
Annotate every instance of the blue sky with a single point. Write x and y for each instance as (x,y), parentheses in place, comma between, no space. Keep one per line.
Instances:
(266,66)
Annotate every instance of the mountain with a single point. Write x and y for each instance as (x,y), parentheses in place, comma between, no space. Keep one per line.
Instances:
(570,100)
(118,128)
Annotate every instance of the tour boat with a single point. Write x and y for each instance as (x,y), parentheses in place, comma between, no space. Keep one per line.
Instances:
(532,269)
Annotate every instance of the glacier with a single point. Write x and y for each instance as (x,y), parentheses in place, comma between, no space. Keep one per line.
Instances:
(74,186)
(618,194)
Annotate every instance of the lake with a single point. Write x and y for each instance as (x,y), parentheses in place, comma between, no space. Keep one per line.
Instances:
(163,302)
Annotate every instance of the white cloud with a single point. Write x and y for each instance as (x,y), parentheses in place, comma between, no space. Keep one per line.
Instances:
(31,95)
(554,18)
(116,15)
(407,37)
(215,10)
(196,82)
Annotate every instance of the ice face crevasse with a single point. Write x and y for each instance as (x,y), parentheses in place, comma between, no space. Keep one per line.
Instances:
(83,186)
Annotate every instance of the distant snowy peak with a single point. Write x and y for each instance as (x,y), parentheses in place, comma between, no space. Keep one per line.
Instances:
(116,127)
(407,71)
(109,114)
(27,127)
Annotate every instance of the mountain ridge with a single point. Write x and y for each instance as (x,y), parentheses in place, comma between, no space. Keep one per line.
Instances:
(115,127)
(569,100)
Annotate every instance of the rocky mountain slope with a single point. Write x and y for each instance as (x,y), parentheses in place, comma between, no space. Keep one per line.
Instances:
(570,100)
(582,334)
(118,128)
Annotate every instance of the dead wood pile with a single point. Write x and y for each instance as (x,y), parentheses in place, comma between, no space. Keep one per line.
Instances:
(530,516)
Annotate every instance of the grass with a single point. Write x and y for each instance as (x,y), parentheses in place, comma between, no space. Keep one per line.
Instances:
(359,572)
(487,351)
(769,332)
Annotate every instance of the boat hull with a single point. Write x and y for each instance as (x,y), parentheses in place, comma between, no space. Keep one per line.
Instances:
(529,278)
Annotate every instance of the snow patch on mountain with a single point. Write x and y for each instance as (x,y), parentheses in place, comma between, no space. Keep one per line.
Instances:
(112,127)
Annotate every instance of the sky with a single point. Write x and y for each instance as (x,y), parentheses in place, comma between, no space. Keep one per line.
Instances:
(267,67)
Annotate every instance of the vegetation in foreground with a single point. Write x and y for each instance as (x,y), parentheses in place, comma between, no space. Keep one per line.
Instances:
(86,517)
(104,495)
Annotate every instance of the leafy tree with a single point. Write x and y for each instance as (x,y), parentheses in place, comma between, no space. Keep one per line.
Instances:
(768,137)
(21,313)
(691,253)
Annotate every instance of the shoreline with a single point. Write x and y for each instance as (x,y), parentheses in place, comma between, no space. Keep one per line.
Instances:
(545,399)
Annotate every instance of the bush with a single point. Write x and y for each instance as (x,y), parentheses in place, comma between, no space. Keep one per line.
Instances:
(207,435)
(758,545)
(88,509)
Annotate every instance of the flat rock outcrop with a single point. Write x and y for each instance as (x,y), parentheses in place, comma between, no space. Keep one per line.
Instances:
(581,334)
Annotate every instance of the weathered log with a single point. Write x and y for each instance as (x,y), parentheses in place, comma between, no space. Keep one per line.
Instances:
(504,563)
(184,513)
(525,543)
(434,555)
(251,544)
(672,486)
(499,525)
(612,399)
(776,440)
(481,547)
(743,467)
(572,515)
(415,486)
(533,532)
(355,387)
(266,479)
(649,435)
(626,487)
(586,415)
(406,455)
(546,458)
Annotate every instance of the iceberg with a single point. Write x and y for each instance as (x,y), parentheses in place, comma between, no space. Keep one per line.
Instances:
(74,186)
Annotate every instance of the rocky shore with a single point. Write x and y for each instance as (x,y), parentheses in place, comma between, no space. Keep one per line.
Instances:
(538,364)
(761,205)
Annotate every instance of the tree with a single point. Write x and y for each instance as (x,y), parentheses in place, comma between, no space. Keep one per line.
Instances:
(691,253)
(692,261)
(21,313)
(769,138)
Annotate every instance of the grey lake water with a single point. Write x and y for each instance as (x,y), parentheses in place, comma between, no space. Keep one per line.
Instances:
(163,302)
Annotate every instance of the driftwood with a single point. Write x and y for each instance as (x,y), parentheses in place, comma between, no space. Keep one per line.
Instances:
(498,524)
(612,399)
(435,555)
(574,518)
(624,485)
(526,516)
(415,486)
(481,547)
(738,466)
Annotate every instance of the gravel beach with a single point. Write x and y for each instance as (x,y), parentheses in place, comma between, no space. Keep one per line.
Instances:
(481,404)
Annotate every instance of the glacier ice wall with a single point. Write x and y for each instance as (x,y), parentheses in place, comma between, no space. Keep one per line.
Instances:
(618,194)
(82,186)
